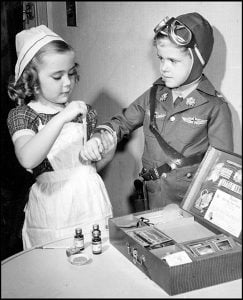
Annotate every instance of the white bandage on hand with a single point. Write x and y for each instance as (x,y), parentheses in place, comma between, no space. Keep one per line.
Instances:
(108,128)
(100,146)
(97,140)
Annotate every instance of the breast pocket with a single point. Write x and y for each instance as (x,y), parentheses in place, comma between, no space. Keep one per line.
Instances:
(159,118)
(191,129)
(146,124)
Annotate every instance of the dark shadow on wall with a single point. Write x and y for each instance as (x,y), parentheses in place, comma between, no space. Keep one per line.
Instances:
(119,174)
(216,68)
(215,72)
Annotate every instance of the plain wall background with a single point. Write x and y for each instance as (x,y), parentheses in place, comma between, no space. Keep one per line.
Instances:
(113,43)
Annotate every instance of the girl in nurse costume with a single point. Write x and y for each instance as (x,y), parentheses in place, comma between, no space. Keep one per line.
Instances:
(48,132)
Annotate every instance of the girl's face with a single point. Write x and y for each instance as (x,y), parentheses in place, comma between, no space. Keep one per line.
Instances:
(56,75)
(175,63)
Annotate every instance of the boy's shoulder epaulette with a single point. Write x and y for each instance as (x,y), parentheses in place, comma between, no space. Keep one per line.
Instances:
(219,95)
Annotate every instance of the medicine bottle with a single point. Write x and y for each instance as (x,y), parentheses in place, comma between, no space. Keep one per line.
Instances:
(96,228)
(96,240)
(79,239)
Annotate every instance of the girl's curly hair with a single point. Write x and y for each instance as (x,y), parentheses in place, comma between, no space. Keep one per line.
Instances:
(27,85)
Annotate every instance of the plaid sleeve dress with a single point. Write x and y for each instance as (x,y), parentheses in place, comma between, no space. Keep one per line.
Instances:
(67,193)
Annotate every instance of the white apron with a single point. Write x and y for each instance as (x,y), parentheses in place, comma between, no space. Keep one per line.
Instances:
(74,195)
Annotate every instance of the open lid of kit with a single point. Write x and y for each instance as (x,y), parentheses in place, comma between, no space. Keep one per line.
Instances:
(214,197)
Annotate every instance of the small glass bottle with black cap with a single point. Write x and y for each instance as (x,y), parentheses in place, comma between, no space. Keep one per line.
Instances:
(79,239)
(96,240)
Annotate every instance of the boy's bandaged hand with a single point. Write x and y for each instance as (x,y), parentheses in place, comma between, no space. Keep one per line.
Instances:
(109,142)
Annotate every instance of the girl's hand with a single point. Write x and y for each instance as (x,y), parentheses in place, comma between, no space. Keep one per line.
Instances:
(99,146)
(73,109)
(92,149)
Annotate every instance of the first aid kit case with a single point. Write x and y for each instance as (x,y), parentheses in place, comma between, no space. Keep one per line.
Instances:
(194,245)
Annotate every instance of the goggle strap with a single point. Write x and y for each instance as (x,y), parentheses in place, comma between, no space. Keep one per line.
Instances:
(190,50)
(163,32)
(199,55)
(161,25)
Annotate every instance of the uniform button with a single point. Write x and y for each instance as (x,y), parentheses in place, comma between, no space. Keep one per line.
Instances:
(172,119)
(189,175)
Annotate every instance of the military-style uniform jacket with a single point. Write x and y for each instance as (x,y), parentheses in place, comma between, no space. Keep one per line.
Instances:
(203,118)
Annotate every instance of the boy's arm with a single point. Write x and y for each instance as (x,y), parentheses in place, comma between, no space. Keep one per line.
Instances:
(122,124)
(220,128)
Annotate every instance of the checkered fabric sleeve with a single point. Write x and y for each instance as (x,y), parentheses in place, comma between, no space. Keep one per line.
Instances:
(22,117)
(92,119)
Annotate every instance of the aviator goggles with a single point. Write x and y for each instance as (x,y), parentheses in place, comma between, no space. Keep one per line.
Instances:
(179,33)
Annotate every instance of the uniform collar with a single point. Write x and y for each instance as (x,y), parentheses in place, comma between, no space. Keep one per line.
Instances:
(196,97)
(204,85)
(185,90)
(159,81)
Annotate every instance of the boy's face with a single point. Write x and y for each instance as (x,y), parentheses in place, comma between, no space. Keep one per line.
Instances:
(175,63)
